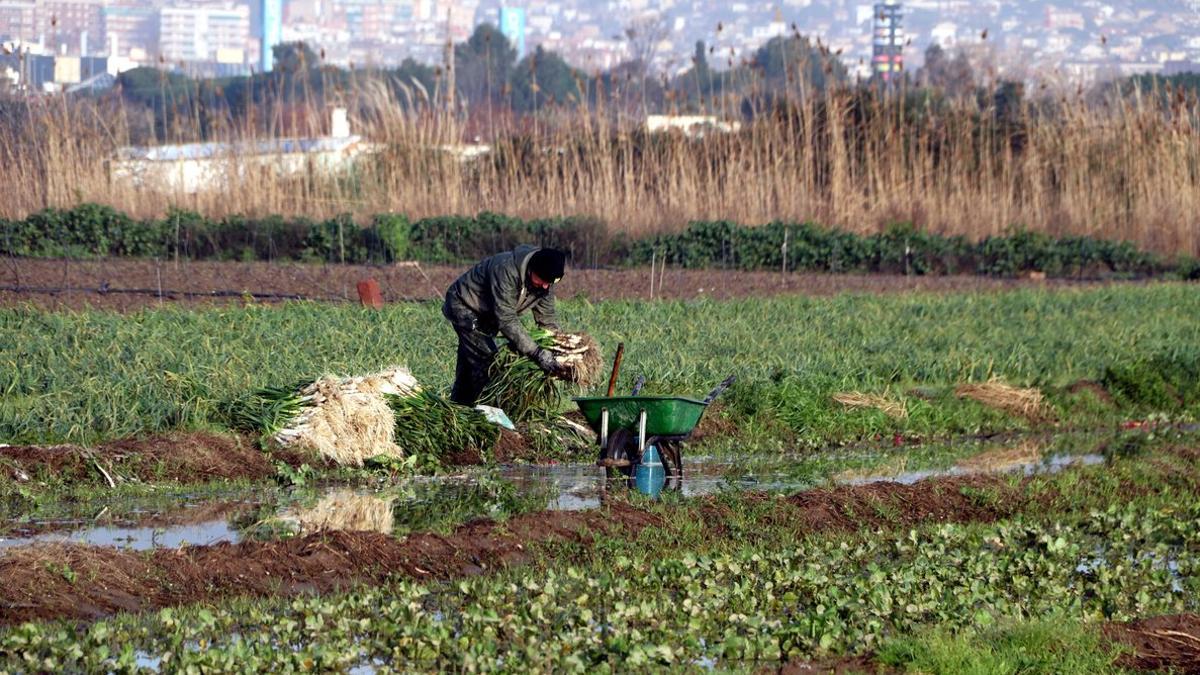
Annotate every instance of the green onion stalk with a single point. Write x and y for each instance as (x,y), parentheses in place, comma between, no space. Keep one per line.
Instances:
(266,411)
(431,425)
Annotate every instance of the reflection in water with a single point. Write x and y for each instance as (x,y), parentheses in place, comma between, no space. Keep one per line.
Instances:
(886,470)
(1027,452)
(344,510)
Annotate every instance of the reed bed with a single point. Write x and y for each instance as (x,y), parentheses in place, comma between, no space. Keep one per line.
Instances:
(1126,169)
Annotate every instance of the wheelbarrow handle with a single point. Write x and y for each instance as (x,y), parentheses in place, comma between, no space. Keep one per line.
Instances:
(712,395)
(638,384)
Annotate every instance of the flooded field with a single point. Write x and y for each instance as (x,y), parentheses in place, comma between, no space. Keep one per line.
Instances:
(442,502)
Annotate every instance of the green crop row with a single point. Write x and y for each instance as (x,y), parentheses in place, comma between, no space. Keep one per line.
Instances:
(739,610)
(92,230)
(93,375)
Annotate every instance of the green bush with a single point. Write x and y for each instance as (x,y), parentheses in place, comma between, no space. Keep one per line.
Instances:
(388,237)
(92,230)
(86,231)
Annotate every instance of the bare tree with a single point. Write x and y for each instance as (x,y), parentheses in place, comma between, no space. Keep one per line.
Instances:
(644,35)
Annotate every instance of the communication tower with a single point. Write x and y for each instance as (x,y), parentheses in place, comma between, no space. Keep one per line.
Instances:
(887,61)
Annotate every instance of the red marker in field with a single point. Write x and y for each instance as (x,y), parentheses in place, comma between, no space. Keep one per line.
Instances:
(369,295)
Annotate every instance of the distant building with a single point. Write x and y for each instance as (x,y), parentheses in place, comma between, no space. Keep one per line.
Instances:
(131,30)
(10,78)
(693,126)
(51,73)
(204,33)
(1180,67)
(69,25)
(512,25)
(271,33)
(17,21)
(887,60)
(1058,19)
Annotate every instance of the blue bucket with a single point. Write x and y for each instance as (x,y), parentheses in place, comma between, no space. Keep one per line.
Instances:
(650,475)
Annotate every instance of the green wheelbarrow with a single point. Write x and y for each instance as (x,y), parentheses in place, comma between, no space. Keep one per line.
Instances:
(626,425)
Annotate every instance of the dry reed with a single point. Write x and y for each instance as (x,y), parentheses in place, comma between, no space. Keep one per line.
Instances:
(855,399)
(1125,170)
(1028,403)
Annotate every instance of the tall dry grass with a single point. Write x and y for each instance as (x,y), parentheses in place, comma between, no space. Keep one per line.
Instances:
(1127,169)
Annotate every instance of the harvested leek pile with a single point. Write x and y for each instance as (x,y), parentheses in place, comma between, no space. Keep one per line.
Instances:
(346,419)
(388,415)
(522,390)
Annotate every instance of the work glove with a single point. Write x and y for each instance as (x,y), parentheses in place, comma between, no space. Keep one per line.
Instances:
(547,362)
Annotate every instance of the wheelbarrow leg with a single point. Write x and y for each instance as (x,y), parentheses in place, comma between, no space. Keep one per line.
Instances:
(603,431)
(641,433)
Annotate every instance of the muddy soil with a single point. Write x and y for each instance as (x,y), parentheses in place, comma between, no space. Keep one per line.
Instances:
(108,580)
(963,499)
(185,457)
(134,284)
(1168,643)
(104,580)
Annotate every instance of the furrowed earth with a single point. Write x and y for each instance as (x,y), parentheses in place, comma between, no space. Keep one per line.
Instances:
(132,284)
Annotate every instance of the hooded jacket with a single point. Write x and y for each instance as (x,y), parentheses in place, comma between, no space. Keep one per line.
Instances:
(491,296)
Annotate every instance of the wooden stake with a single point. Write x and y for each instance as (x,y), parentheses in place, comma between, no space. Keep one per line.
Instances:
(653,263)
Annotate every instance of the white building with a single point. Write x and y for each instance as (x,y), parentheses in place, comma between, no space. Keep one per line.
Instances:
(203,167)
(693,126)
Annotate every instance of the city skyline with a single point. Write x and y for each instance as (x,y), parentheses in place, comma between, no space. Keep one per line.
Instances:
(1079,41)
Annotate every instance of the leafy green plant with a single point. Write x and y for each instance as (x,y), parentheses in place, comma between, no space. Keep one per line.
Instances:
(286,474)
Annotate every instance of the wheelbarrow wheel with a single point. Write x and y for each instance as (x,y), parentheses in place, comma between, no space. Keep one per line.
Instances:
(672,456)
(622,445)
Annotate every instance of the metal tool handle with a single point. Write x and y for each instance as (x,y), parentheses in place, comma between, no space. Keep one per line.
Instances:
(717,390)
(638,384)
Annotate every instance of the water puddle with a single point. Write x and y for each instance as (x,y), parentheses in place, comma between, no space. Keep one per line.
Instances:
(137,538)
(444,502)
(1051,464)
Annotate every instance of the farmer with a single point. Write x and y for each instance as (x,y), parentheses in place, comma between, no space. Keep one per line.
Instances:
(489,298)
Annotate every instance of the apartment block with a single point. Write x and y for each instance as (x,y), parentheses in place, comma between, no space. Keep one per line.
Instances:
(220,34)
(17,22)
(131,31)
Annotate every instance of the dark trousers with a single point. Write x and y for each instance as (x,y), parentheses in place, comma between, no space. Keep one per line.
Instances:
(476,351)
(475,354)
